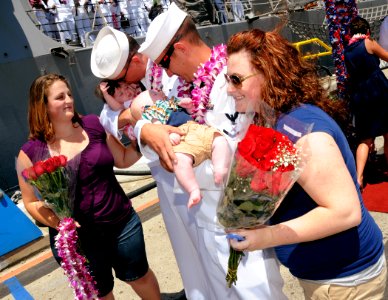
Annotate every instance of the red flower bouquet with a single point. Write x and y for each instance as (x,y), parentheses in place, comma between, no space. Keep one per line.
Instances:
(51,179)
(265,167)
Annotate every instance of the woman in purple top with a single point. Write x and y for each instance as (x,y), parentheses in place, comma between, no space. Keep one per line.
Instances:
(110,231)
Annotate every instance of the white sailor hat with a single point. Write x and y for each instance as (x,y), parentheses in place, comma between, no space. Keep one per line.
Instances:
(110,53)
(161,31)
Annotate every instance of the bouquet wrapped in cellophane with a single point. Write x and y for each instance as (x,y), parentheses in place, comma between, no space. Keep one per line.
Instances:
(52,180)
(266,165)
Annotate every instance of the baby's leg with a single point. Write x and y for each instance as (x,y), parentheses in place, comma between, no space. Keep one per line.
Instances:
(221,158)
(185,175)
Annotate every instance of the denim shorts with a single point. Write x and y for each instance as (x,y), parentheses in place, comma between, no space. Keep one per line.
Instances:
(121,248)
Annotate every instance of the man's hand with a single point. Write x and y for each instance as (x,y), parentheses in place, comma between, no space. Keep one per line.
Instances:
(157,137)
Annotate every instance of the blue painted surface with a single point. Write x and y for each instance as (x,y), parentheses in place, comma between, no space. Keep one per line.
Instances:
(16,229)
(17,290)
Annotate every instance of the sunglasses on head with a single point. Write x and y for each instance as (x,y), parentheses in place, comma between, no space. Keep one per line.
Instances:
(236,80)
(165,61)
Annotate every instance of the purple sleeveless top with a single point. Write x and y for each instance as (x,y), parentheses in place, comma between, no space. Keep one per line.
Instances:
(99,198)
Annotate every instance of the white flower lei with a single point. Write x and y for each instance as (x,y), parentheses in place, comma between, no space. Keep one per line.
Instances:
(203,83)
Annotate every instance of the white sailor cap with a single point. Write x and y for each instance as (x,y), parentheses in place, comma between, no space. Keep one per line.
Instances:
(110,53)
(161,31)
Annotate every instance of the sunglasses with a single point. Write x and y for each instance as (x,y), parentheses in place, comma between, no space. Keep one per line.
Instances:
(236,80)
(165,61)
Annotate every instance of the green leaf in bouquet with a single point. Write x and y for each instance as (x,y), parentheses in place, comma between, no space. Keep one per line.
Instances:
(247,206)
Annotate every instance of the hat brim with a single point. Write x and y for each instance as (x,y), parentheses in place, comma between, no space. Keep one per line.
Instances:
(110,53)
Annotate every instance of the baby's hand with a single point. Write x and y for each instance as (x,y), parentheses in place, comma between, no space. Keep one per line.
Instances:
(175,138)
(104,87)
(186,103)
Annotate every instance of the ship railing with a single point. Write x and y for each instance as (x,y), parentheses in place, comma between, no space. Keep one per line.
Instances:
(314,49)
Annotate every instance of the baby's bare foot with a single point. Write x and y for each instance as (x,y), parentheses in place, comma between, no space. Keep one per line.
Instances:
(195,197)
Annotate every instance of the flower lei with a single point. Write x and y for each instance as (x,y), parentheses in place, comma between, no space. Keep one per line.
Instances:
(203,83)
(156,77)
(357,37)
(74,264)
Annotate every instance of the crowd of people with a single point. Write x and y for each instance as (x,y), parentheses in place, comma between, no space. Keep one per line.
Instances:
(321,232)
(69,21)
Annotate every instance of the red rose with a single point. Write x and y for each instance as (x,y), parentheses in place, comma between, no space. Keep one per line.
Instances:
(29,174)
(243,167)
(259,181)
(39,168)
(56,161)
(50,165)
(276,187)
(63,160)
(248,144)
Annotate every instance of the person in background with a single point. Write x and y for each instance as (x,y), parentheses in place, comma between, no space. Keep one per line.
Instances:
(199,243)
(368,90)
(50,16)
(322,231)
(155,9)
(82,21)
(110,230)
(115,13)
(383,40)
(221,11)
(39,9)
(103,15)
(64,19)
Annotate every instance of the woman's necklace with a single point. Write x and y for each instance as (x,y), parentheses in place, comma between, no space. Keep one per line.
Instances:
(357,37)
(199,90)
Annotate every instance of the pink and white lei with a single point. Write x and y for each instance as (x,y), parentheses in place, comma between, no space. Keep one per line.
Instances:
(74,264)
(156,77)
(203,82)
(357,37)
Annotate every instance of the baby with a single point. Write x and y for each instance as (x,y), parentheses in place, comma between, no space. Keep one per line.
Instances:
(199,143)
(118,96)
